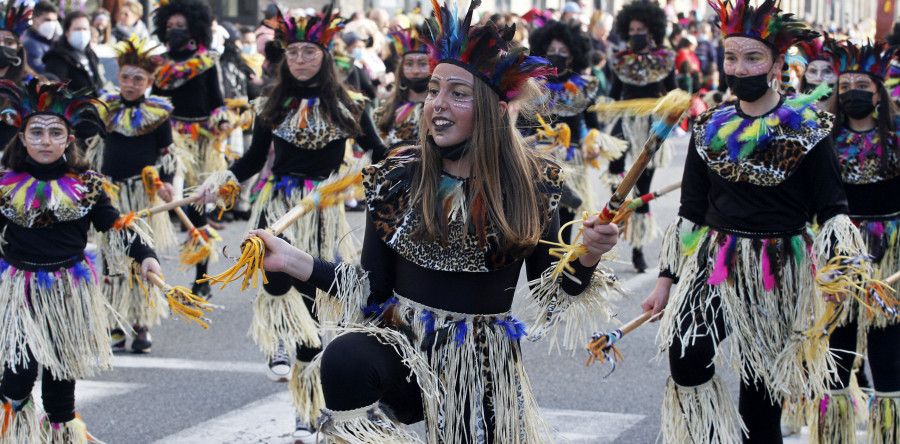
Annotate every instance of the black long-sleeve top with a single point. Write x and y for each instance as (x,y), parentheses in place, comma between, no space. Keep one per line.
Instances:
(306,163)
(126,156)
(619,90)
(198,97)
(814,189)
(874,199)
(61,243)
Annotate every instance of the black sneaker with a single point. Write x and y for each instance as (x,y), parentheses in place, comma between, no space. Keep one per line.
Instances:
(279,368)
(304,433)
(202,290)
(637,259)
(141,341)
(117,340)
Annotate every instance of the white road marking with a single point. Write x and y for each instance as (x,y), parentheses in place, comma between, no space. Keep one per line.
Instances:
(88,392)
(271,419)
(186,364)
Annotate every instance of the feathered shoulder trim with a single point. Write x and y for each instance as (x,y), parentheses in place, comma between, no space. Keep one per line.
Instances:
(641,69)
(762,150)
(133,121)
(173,74)
(34,203)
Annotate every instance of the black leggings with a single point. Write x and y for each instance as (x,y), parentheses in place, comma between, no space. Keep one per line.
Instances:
(58,396)
(884,355)
(358,370)
(761,416)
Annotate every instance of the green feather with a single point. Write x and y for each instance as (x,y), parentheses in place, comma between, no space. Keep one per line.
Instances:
(801,100)
(689,241)
(798,246)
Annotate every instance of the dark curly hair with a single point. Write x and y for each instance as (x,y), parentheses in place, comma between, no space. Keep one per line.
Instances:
(570,35)
(650,14)
(198,14)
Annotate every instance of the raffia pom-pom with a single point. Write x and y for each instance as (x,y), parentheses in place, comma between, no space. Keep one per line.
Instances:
(196,249)
(253,252)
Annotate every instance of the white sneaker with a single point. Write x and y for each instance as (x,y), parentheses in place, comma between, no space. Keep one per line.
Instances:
(304,434)
(279,368)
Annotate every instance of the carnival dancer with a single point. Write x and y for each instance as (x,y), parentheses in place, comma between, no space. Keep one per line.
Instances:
(741,246)
(644,70)
(819,69)
(398,118)
(865,137)
(569,94)
(13,23)
(55,317)
(189,79)
(309,117)
(450,224)
(139,136)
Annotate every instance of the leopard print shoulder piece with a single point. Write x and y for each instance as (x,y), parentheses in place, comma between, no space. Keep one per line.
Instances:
(406,122)
(387,188)
(571,97)
(307,128)
(642,69)
(763,150)
(861,156)
(33,203)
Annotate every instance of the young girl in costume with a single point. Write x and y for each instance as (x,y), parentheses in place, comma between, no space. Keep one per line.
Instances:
(308,116)
(569,94)
(644,70)
(398,118)
(55,317)
(819,69)
(450,225)
(865,138)
(741,246)
(187,76)
(139,135)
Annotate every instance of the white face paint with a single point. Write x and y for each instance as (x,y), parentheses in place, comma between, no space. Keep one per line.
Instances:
(448,104)
(133,82)
(46,138)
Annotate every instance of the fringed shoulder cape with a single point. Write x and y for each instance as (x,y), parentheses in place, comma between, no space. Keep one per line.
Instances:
(445,305)
(741,243)
(49,297)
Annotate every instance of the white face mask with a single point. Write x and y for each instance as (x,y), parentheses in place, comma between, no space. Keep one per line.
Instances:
(49,29)
(80,39)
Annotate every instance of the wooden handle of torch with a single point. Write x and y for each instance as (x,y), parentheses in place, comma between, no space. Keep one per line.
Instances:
(156,279)
(635,323)
(283,222)
(892,278)
(669,189)
(173,205)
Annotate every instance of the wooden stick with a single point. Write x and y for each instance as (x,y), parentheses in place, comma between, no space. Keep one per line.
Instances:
(172,205)
(636,322)
(668,189)
(156,279)
(302,208)
(187,223)
(892,278)
(533,138)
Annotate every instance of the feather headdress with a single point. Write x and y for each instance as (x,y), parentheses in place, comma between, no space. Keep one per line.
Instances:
(872,58)
(765,23)
(49,98)
(814,50)
(482,50)
(313,28)
(16,19)
(136,52)
(405,41)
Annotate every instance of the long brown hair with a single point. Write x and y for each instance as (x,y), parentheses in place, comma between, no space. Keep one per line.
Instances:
(16,153)
(331,94)
(398,95)
(504,169)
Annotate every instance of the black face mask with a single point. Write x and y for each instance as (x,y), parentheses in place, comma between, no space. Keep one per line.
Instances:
(748,89)
(638,42)
(561,63)
(856,104)
(418,85)
(8,57)
(176,38)
(452,152)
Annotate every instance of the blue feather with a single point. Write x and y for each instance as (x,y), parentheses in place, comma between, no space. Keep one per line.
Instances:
(81,272)
(44,280)
(461,330)
(427,318)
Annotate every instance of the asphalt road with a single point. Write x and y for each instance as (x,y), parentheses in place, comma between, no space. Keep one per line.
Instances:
(208,386)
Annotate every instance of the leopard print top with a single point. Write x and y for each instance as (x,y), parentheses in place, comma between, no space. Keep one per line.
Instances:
(34,203)
(861,155)
(387,188)
(406,123)
(642,69)
(306,127)
(775,158)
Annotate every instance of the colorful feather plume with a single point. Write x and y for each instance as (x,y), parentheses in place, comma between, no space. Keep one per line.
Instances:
(871,58)
(136,52)
(16,19)
(405,40)
(49,98)
(765,23)
(481,49)
(318,29)
(814,49)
